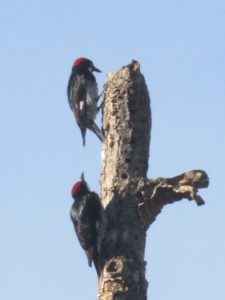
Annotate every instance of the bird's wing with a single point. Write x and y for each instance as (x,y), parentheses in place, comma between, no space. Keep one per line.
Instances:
(76,92)
(84,229)
(85,235)
(81,117)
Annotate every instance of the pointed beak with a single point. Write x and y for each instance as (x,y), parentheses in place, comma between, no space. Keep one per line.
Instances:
(96,69)
(82,176)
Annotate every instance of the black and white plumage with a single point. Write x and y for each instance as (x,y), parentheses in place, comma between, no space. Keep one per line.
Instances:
(85,214)
(82,92)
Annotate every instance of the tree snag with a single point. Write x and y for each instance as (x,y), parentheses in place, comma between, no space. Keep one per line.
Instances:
(130,201)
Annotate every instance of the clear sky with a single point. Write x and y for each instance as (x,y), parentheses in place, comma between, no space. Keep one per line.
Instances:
(181,48)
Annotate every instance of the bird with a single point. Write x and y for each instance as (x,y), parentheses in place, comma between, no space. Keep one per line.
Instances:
(85,214)
(82,92)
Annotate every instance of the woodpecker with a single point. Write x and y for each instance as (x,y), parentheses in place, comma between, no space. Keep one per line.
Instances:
(85,214)
(82,92)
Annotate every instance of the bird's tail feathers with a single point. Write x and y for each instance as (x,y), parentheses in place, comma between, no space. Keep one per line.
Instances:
(94,128)
(92,256)
(89,254)
(83,133)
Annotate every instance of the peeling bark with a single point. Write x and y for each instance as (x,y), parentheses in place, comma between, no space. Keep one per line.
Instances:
(130,200)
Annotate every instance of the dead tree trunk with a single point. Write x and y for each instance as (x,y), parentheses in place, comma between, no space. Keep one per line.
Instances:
(130,200)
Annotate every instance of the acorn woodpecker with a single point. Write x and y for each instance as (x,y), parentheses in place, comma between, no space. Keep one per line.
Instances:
(82,92)
(85,214)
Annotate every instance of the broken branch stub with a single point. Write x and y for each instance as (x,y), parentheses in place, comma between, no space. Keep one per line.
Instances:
(154,194)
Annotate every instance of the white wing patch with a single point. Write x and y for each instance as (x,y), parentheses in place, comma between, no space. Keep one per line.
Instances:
(81,105)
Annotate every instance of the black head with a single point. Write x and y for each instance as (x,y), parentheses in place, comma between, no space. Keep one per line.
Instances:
(83,65)
(80,188)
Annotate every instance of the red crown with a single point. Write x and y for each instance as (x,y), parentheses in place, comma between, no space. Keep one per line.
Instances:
(79,61)
(75,188)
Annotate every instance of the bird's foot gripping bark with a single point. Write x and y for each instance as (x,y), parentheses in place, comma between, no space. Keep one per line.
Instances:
(154,194)
(101,105)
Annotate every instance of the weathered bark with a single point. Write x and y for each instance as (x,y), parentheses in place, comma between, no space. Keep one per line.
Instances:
(130,200)
(154,194)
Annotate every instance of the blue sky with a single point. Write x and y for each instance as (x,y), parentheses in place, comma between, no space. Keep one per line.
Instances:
(181,48)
